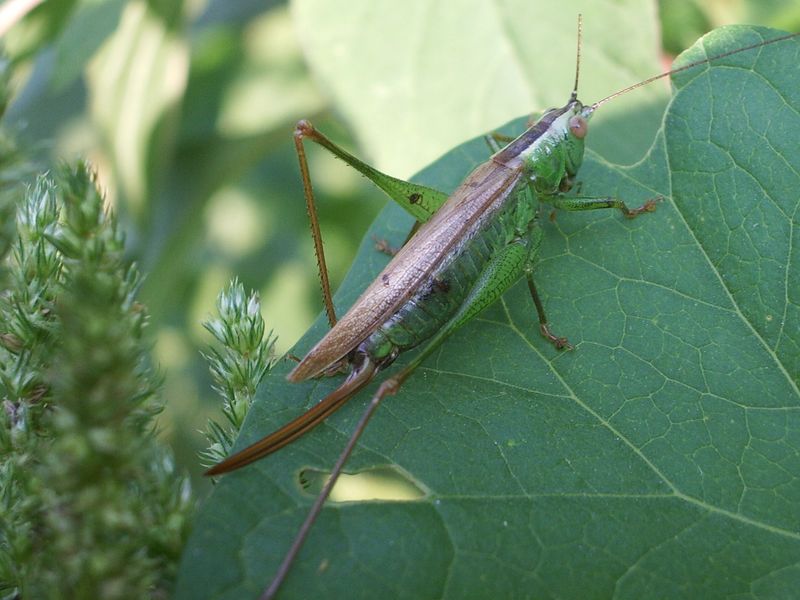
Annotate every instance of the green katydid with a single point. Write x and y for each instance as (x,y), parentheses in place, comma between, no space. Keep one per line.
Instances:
(471,246)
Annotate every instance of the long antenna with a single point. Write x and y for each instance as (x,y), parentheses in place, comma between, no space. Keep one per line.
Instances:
(574,95)
(689,66)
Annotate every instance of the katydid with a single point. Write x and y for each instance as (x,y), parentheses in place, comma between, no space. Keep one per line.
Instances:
(469,248)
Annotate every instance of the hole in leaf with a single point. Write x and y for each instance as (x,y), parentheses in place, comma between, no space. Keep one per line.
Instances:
(380,483)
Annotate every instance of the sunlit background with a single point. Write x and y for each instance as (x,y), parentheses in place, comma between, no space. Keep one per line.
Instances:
(186,110)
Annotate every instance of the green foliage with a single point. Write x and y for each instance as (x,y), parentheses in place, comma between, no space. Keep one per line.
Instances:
(15,167)
(238,365)
(92,506)
(659,459)
(186,111)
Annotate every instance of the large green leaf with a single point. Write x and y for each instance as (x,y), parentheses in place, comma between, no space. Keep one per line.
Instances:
(660,459)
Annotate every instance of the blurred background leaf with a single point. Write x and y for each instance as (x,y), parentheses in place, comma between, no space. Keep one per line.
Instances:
(186,109)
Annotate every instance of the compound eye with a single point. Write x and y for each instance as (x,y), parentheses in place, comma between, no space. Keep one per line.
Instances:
(578,126)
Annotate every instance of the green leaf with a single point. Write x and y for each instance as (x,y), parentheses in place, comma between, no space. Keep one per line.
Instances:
(452,72)
(136,81)
(658,459)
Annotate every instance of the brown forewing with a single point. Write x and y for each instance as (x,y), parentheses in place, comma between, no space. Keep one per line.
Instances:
(479,196)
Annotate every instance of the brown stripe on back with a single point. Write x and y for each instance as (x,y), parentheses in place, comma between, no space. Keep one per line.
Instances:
(533,133)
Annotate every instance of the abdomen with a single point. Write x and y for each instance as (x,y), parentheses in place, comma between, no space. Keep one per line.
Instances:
(438,298)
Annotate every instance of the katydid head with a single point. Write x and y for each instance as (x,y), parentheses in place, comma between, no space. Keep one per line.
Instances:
(555,140)
(575,131)
(551,150)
